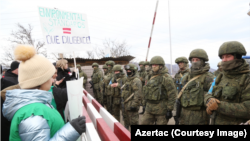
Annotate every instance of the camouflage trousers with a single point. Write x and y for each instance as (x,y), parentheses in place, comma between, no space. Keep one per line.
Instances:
(132,117)
(151,119)
(116,107)
(109,104)
(104,100)
(197,117)
(98,95)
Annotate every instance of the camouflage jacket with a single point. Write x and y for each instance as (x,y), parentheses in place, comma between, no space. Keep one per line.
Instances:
(232,88)
(110,75)
(159,93)
(116,92)
(104,83)
(132,86)
(97,78)
(148,75)
(142,74)
(217,72)
(179,75)
(193,95)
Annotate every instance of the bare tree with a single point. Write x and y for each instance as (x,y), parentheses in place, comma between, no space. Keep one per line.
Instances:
(116,48)
(22,36)
(90,55)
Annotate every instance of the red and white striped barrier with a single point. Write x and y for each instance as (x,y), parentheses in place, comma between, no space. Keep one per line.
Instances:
(91,133)
(105,133)
(119,130)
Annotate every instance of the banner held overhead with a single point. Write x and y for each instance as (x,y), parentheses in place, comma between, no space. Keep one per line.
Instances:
(64,31)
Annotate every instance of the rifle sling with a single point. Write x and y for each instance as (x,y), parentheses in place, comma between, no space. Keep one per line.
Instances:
(179,95)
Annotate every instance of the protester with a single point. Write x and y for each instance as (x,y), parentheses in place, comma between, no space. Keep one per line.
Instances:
(5,124)
(29,110)
(63,72)
(3,72)
(12,73)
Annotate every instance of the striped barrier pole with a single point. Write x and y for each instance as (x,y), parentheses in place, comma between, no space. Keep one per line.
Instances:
(152,29)
(120,131)
(91,133)
(105,133)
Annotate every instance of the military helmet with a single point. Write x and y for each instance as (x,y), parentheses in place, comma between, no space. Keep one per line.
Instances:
(232,47)
(110,62)
(117,68)
(181,59)
(198,53)
(95,64)
(104,66)
(142,63)
(146,63)
(158,60)
(131,67)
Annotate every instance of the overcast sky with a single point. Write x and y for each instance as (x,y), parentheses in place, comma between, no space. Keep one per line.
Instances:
(194,24)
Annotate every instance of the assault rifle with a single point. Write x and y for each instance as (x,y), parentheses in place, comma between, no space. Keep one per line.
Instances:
(91,82)
(178,105)
(122,101)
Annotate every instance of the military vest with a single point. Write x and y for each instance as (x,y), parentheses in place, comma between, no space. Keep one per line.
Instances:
(193,95)
(229,89)
(96,77)
(153,90)
(117,91)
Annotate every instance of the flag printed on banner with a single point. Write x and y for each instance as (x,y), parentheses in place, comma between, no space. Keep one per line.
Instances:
(64,31)
(67,30)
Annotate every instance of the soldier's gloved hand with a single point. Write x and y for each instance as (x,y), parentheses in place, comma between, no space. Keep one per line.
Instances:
(212,104)
(247,123)
(133,109)
(141,78)
(143,110)
(169,114)
(79,124)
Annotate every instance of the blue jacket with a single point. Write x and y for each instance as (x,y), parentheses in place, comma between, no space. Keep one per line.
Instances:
(18,98)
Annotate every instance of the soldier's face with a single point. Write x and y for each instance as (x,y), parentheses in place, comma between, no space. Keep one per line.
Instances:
(147,67)
(227,57)
(141,65)
(116,72)
(181,65)
(155,67)
(195,59)
(95,67)
(105,70)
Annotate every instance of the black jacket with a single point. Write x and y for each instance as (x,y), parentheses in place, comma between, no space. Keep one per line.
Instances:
(64,73)
(5,83)
(9,76)
(4,124)
(61,98)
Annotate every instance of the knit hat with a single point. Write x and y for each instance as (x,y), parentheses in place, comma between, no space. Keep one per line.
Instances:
(14,65)
(34,70)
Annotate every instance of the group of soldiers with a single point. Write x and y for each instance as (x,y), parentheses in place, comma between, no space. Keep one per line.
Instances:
(194,96)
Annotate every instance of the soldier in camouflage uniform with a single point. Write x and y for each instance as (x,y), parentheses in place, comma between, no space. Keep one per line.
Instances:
(117,82)
(229,96)
(148,72)
(132,93)
(104,84)
(82,74)
(217,72)
(193,111)
(110,75)
(160,94)
(96,80)
(142,72)
(182,62)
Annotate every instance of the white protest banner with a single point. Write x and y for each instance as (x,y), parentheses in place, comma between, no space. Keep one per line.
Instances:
(74,90)
(64,31)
